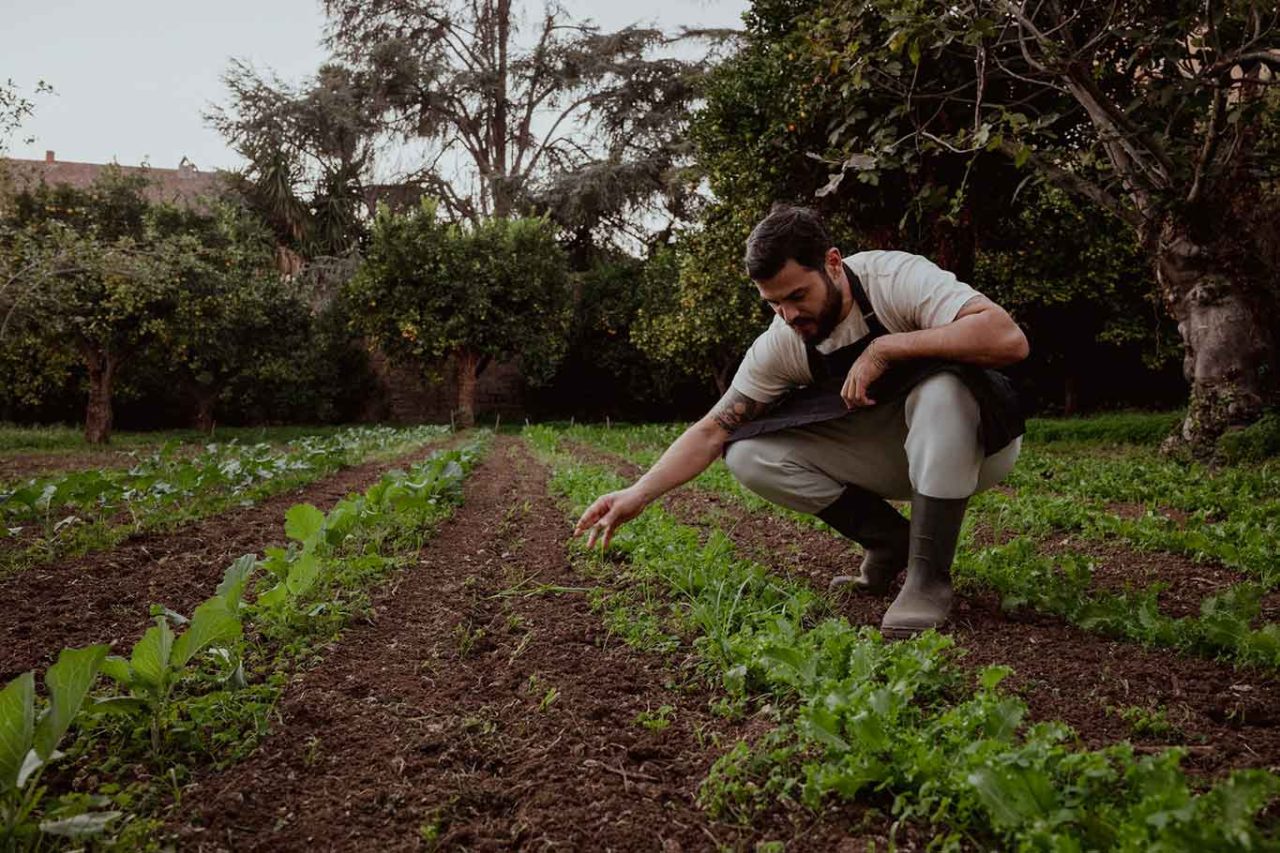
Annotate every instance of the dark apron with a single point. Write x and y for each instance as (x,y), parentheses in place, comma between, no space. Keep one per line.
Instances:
(1000,412)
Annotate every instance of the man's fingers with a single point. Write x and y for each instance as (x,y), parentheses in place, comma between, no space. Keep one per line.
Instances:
(591,516)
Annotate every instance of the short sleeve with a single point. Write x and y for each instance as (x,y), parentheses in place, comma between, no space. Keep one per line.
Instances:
(773,365)
(915,293)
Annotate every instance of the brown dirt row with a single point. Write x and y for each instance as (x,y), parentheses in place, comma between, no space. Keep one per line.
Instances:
(1119,567)
(18,467)
(104,596)
(468,719)
(1228,718)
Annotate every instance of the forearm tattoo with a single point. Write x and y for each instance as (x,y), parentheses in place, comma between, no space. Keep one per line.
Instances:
(735,409)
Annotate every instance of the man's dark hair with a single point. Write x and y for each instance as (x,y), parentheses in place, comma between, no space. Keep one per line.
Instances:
(787,233)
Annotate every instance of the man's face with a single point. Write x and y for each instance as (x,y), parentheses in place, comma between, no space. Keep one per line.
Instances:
(807,300)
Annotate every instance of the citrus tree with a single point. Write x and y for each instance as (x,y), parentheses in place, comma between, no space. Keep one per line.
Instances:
(431,290)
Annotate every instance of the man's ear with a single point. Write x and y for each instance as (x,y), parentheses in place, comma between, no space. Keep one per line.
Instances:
(834,261)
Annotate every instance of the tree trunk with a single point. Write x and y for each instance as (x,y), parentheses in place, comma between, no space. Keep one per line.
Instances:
(97,417)
(205,398)
(1230,347)
(467,362)
(723,373)
(1071,396)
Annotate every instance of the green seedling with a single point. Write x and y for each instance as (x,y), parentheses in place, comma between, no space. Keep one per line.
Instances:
(28,744)
(1147,722)
(466,636)
(160,659)
(656,721)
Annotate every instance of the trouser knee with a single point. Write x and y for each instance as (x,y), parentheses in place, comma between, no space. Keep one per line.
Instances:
(944,454)
(765,467)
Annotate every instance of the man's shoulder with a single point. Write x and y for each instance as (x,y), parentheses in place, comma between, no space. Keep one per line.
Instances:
(881,261)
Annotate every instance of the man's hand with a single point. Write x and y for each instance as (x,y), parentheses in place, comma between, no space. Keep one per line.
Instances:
(869,367)
(607,514)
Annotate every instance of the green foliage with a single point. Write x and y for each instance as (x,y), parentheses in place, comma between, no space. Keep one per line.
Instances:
(299,570)
(604,372)
(161,658)
(28,744)
(1099,309)
(429,289)
(308,147)
(1255,443)
(701,311)
(79,509)
(1147,428)
(235,312)
(102,279)
(864,718)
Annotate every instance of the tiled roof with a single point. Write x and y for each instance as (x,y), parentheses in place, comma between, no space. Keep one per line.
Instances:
(183,186)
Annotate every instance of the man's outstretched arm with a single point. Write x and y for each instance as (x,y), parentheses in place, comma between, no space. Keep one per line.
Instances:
(687,457)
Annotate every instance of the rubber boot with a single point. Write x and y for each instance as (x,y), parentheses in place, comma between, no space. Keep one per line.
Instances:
(869,520)
(925,599)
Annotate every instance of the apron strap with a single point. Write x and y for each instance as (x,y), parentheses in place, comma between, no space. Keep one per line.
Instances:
(820,365)
(874,327)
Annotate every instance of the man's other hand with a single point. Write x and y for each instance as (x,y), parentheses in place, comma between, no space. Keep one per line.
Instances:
(607,514)
(869,367)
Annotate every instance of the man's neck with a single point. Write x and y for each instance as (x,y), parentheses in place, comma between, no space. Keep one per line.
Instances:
(846,294)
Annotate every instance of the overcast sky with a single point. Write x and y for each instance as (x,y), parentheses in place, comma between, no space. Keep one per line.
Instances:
(133,77)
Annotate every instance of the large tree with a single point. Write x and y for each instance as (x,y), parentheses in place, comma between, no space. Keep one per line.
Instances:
(309,149)
(501,114)
(234,313)
(431,290)
(1151,109)
(85,271)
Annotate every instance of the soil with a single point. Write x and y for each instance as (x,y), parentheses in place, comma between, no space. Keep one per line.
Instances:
(105,596)
(436,721)
(1118,567)
(1228,718)
(18,467)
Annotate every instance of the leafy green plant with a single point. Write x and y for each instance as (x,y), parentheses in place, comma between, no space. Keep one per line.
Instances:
(82,510)
(861,717)
(29,741)
(160,659)
(656,721)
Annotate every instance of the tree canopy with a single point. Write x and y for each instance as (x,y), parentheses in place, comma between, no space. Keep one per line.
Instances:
(431,289)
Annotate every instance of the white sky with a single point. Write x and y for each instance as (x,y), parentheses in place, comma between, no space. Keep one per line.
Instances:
(132,77)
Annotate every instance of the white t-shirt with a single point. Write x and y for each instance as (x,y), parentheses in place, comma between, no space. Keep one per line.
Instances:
(908,293)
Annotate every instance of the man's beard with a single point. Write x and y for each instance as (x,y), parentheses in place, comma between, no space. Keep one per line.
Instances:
(828,315)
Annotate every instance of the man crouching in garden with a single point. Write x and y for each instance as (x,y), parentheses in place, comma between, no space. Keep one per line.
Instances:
(872,382)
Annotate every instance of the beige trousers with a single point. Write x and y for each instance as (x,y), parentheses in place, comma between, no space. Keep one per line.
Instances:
(927,442)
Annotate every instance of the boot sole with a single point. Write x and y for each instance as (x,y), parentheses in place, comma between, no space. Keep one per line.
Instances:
(907,633)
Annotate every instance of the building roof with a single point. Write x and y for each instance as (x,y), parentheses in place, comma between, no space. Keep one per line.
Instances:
(183,186)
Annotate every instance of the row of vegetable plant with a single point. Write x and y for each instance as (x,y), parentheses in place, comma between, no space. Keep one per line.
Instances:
(82,510)
(1229,514)
(199,690)
(1062,583)
(898,724)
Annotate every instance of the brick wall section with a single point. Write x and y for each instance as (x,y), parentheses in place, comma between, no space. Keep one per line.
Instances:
(403,395)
